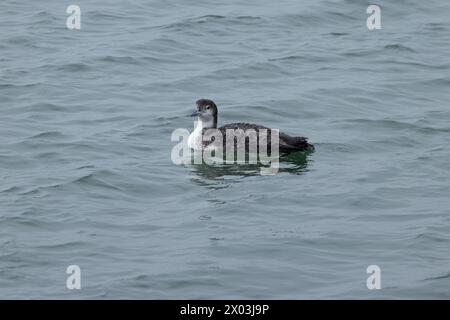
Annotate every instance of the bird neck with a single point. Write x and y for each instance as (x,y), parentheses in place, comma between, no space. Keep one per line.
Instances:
(201,124)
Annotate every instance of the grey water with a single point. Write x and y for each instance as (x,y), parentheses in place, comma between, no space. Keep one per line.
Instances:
(86,176)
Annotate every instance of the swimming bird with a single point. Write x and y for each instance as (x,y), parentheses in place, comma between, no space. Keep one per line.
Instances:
(207,114)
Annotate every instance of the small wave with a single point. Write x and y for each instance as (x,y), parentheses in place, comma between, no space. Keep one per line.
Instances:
(361,53)
(413,64)
(66,245)
(435,82)
(302,58)
(310,19)
(85,167)
(395,124)
(253,70)
(339,147)
(19,86)
(136,60)
(123,59)
(42,107)
(435,26)
(48,135)
(210,17)
(239,20)
(398,47)
(74,67)
(21,40)
(165,118)
(102,15)
(387,123)
(43,17)
(92,180)
(432,130)
(10,190)
(25,221)
(435,237)
(444,276)
(339,34)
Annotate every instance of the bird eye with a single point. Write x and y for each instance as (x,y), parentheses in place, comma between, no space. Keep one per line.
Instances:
(207,107)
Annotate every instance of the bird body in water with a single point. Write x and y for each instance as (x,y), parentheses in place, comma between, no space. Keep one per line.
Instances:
(207,115)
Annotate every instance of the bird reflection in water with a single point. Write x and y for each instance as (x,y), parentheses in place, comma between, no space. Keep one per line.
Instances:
(294,163)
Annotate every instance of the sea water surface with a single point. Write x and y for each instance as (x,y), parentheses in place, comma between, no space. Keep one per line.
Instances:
(86,176)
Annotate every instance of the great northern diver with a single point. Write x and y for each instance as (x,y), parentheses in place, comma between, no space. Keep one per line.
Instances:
(207,114)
